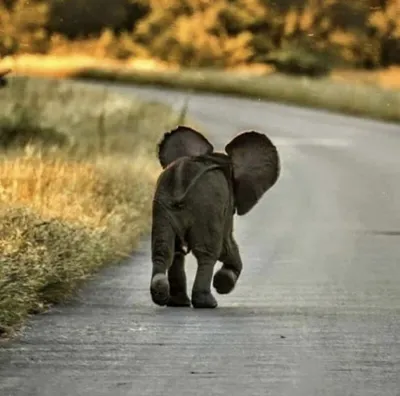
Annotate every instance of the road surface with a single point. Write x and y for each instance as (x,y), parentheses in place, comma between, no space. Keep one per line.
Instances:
(316,311)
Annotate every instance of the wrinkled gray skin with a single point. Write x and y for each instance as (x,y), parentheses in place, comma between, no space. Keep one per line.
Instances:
(195,199)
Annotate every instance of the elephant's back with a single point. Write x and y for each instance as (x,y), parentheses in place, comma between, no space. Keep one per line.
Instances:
(201,185)
(210,195)
(211,186)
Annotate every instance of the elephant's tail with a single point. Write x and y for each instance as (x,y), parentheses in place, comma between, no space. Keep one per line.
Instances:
(166,224)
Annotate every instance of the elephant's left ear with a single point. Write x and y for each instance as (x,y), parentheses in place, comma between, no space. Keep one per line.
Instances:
(256,168)
(182,142)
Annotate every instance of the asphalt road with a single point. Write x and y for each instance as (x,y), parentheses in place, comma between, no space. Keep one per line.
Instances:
(316,311)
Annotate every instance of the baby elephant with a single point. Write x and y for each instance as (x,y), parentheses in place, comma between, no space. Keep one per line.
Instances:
(195,199)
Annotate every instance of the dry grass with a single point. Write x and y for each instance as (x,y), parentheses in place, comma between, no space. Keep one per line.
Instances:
(78,191)
(52,187)
(387,78)
(60,221)
(65,64)
(63,215)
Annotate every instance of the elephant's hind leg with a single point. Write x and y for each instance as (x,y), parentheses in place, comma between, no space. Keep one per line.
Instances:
(163,241)
(201,292)
(177,281)
(226,277)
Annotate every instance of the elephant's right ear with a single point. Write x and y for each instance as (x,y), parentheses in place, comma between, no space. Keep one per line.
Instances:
(182,142)
(256,168)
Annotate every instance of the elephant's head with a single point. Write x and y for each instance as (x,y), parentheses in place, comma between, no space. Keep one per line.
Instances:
(254,159)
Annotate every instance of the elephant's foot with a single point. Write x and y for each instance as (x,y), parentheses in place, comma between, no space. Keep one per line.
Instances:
(159,289)
(179,300)
(203,300)
(224,280)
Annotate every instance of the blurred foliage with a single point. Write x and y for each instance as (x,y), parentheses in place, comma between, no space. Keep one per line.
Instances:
(297,36)
(83,18)
(23,27)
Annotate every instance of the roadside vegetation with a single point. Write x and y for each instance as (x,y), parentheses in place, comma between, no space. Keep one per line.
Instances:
(77,169)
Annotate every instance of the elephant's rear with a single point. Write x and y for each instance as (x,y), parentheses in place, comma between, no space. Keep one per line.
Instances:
(211,206)
(194,201)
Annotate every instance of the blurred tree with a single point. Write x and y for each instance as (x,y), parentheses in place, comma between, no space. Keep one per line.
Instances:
(297,36)
(8,4)
(193,33)
(384,29)
(84,18)
(23,27)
